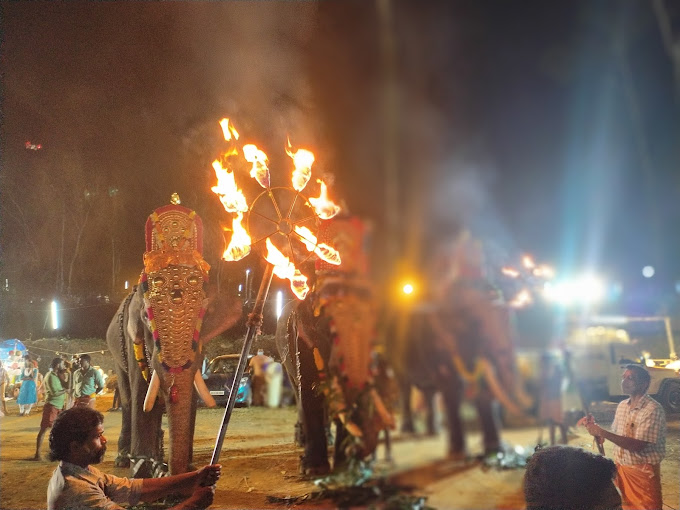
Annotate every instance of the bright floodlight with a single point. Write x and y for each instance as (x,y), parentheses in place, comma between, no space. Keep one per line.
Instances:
(407,288)
(279,303)
(584,290)
(55,315)
(648,271)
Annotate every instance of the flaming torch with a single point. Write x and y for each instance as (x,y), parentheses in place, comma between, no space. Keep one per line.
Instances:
(280,221)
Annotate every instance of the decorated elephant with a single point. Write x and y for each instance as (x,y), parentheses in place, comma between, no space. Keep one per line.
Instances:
(156,340)
(461,344)
(326,343)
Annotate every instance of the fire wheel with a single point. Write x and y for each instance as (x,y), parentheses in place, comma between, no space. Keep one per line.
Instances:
(274,215)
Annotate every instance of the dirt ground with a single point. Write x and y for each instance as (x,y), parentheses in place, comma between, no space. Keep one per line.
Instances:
(259,460)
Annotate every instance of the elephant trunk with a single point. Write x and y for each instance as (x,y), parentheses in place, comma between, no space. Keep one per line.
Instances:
(504,391)
(179,391)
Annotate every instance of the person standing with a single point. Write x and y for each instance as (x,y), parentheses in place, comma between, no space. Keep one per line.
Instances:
(87,383)
(55,399)
(77,440)
(639,435)
(4,379)
(28,394)
(257,366)
(550,396)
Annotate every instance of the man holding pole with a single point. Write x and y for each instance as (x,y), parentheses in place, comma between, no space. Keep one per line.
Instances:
(639,435)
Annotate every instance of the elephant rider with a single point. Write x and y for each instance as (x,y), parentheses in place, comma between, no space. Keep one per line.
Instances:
(77,440)
(257,366)
(87,382)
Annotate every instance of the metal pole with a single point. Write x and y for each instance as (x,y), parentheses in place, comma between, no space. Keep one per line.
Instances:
(254,322)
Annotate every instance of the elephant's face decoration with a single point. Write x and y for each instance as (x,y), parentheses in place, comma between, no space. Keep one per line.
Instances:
(175,302)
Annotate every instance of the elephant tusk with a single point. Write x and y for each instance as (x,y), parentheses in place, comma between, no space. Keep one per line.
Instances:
(497,390)
(384,414)
(152,392)
(203,390)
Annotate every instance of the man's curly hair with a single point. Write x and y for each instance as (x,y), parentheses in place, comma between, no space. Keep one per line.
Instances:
(566,478)
(74,424)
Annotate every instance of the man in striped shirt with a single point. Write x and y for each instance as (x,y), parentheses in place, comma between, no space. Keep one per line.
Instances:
(639,435)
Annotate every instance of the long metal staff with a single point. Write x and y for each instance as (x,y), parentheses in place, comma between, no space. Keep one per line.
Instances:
(254,322)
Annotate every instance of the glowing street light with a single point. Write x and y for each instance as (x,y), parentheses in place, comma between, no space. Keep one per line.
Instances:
(648,271)
(583,290)
(55,315)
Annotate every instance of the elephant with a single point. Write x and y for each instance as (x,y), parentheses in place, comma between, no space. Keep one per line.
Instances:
(326,345)
(156,340)
(327,356)
(459,343)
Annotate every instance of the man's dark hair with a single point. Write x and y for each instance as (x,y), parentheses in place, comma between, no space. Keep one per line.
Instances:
(86,357)
(74,424)
(56,362)
(641,374)
(566,478)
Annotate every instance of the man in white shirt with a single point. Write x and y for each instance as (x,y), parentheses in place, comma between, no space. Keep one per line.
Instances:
(639,435)
(77,440)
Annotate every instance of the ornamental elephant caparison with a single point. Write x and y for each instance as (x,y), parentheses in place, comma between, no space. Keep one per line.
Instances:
(156,340)
(327,356)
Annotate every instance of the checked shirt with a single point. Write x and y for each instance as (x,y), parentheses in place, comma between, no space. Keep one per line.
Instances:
(646,422)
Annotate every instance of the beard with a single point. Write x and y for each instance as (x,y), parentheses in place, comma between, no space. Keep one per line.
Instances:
(98,455)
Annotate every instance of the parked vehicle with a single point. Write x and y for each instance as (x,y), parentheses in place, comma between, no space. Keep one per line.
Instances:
(602,347)
(219,377)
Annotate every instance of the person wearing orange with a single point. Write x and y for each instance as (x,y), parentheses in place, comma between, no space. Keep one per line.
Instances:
(639,437)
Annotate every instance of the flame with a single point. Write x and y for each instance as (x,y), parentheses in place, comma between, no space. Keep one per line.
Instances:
(323,251)
(303,160)
(258,158)
(509,271)
(325,208)
(521,299)
(231,197)
(228,130)
(239,246)
(285,269)
(528,262)
(546,272)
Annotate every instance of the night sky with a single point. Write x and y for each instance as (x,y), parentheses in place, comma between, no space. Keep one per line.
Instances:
(544,127)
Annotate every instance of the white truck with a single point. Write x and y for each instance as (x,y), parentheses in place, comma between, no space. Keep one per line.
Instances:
(601,346)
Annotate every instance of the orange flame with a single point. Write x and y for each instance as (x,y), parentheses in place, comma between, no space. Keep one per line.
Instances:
(508,271)
(231,197)
(521,299)
(303,160)
(324,207)
(258,158)
(322,250)
(528,262)
(228,130)
(285,269)
(239,246)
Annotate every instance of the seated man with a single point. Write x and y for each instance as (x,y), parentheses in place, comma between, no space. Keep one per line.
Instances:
(77,440)
(567,478)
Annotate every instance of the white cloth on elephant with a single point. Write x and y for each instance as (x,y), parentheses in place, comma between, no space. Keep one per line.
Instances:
(74,487)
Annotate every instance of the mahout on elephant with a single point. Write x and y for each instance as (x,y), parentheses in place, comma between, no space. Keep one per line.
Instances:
(156,340)
(459,342)
(325,343)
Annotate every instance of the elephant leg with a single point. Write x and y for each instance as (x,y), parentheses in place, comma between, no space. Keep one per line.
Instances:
(123,457)
(430,411)
(452,392)
(406,411)
(315,459)
(340,450)
(146,436)
(487,410)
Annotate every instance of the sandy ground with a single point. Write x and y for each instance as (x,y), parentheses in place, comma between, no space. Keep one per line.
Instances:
(259,459)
